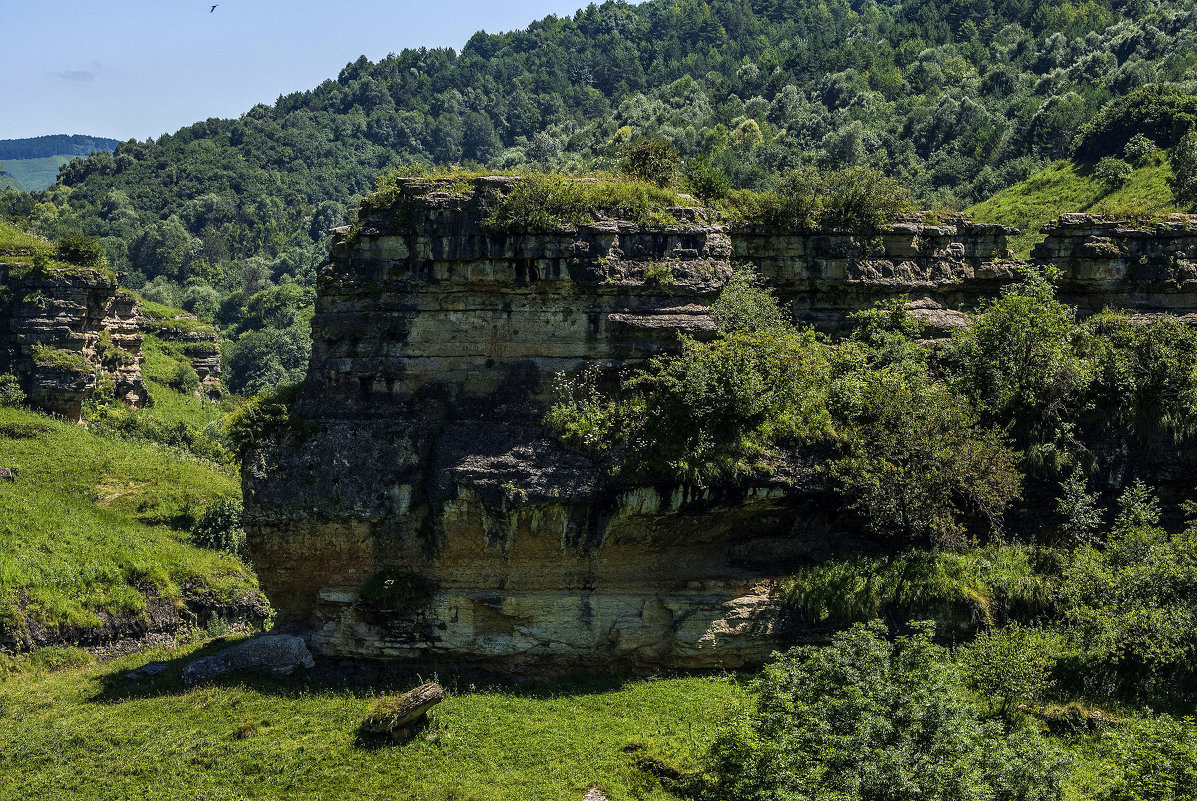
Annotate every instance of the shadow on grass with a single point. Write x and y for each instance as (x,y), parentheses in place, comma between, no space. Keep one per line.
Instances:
(369,679)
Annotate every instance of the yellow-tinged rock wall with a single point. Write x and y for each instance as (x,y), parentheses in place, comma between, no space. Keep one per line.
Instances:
(415,446)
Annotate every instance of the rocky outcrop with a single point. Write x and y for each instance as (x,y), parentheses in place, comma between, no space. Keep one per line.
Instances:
(65,328)
(191,339)
(414,453)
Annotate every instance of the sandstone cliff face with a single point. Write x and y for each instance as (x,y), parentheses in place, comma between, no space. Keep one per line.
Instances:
(415,449)
(61,329)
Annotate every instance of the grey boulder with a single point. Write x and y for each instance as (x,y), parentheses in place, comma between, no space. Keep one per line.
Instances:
(278,654)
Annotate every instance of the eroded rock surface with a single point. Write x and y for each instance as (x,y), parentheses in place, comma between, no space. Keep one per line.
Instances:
(63,330)
(415,445)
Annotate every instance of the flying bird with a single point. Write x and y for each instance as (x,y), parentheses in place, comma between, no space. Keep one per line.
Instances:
(213,8)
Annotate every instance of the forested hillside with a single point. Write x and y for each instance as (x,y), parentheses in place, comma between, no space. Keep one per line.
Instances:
(955,100)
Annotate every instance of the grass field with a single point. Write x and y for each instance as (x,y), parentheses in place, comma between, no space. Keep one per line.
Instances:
(1066,187)
(92,524)
(35,174)
(90,733)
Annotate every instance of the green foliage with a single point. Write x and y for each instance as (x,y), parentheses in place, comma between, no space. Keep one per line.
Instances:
(1153,760)
(1017,367)
(219,528)
(1078,509)
(1183,159)
(1133,604)
(1138,148)
(962,591)
(1163,113)
(264,416)
(1112,172)
(919,466)
(11,394)
(84,251)
(1012,665)
(545,202)
(706,181)
(184,379)
(745,305)
(857,199)
(868,718)
(653,160)
(397,591)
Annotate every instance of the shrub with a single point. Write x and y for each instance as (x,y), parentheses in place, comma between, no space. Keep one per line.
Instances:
(863,200)
(1153,760)
(919,467)
(11,394)
(1011,665)
(184,379)
(1078,509)
(745,305)
(1134,603)
(219,528)
(866,718)
(262,417)
(655,160)
(1183,182)
(706,181)
(1162,113)
(1112,173)
(85,251)
(1138,148)
(551,201)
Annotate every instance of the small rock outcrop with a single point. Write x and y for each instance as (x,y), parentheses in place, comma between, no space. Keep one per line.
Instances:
(401,716)
(415,445)
(277,654)
(191,339)
(63,329)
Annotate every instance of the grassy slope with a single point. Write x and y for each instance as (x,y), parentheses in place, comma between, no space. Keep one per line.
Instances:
(85,527)
(35,174)
(89,733)
(1068,187)
(13,238)
(8,182)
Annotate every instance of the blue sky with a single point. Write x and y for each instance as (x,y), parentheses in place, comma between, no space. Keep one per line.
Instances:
(140,68)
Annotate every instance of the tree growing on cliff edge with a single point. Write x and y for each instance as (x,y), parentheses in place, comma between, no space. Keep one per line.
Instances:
(1183,159)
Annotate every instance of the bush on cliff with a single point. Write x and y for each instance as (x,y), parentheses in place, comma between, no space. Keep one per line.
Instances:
(219,528)
(264,416)
(714,412)
(11,394)
(870,718)
(918,466)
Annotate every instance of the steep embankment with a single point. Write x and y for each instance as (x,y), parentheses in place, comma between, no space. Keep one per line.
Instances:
(91,542)
(1067,187)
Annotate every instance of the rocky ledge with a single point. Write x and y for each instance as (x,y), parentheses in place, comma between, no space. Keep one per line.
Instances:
(414,509)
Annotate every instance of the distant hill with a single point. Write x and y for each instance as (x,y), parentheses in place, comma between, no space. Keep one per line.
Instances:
(32,164)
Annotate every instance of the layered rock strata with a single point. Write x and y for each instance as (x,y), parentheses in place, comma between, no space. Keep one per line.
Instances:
(193,340)
(415,456)
(62,329)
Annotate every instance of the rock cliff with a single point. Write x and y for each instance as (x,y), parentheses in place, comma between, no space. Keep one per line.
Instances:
(414,508)
(61,328)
